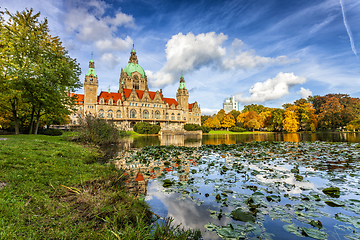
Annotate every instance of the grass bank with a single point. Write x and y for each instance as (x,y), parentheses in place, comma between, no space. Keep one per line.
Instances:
(55,189)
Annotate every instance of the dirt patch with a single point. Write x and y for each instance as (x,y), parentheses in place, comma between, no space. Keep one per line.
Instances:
(3,139)
(2,184)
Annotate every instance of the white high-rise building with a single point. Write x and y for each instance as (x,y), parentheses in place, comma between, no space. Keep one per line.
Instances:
(230,104)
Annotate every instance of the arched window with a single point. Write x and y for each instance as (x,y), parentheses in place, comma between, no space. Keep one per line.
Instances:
(101,101)
(118,102)
(74,114)
(132,113)
(172,116)
(157,115)
(110,114)
(111,101)
(178,116)
(80,115)
(118,114)
(80,108)
(74,122)
(145,114)
(167,116)
(101,113)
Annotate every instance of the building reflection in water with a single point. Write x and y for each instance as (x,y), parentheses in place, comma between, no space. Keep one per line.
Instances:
(139,174)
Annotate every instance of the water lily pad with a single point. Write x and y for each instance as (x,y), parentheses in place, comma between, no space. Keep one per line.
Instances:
(314,233)
(292,228)
(273,198)
(334,203)
(332,191)
(240,215)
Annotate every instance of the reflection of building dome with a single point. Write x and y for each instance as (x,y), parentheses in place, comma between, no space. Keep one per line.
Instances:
(134,67)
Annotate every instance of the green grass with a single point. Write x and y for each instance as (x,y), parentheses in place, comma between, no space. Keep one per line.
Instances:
(229,132)
(55,189)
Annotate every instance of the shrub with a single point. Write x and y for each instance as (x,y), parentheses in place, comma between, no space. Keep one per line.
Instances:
(196,127)
(146,128)
(51,132)
(237,129)
(97,131)
(192,127)
(205,129)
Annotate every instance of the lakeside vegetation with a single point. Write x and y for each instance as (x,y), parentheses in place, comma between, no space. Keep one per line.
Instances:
(52,189)
(329,112)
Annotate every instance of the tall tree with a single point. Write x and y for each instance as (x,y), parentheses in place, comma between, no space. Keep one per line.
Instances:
(221,114)
(228,121)
(36,68)
(291,120)
(254,107)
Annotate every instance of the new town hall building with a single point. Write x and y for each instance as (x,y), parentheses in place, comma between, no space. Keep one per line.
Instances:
(134,102)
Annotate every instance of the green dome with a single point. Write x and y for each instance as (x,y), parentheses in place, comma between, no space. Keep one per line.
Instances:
(132,67)
(91,71)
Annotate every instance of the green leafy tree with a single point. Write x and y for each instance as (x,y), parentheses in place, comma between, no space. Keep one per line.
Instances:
(35,68)
(277,117)
(254,107)
(235,113)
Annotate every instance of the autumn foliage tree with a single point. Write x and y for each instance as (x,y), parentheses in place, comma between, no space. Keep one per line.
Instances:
(228,121)
(291,120)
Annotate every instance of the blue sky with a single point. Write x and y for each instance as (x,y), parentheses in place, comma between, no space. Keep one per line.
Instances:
(268,52)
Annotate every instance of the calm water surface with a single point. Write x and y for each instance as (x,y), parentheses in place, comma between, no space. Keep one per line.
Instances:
(196,141)
(200,177)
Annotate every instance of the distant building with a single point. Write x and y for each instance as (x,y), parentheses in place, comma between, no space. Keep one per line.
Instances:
(230,104)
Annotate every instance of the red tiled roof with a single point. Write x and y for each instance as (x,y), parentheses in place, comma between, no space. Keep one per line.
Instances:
(79,98)
(107,96)
(191,106)
(140,93)
(139,177)
(171,101)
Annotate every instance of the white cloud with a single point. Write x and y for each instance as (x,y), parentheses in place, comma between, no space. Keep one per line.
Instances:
(272,88)
(304,92)
(114,44)
(90,25)
(208,111)
(109,60)
(192,52)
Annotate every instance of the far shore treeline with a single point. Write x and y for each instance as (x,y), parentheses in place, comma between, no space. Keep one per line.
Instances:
(329,112)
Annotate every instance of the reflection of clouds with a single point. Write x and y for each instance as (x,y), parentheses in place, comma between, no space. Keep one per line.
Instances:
(281,170)
(185,212)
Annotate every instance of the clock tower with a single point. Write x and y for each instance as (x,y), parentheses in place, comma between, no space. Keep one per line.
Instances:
(90,89)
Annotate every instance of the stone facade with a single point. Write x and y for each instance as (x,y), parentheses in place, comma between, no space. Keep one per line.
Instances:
(134,102)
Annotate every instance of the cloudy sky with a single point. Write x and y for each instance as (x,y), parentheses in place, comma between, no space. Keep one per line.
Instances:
(267,52)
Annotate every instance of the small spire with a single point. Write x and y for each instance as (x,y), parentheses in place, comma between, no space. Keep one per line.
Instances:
(109,89)
(182,74)
(92,55)
(133,49)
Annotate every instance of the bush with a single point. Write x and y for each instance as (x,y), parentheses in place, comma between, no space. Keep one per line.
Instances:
(237,129)
(51,132)
(196,127)
(146,128)
(192,127)
(97,131)
(205,129)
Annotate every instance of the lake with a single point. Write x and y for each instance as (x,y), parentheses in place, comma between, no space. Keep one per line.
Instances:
(267,186)
(206,139)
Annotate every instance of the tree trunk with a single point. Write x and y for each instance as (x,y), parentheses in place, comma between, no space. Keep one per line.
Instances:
(37,120)
(16,121)
(32,119)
